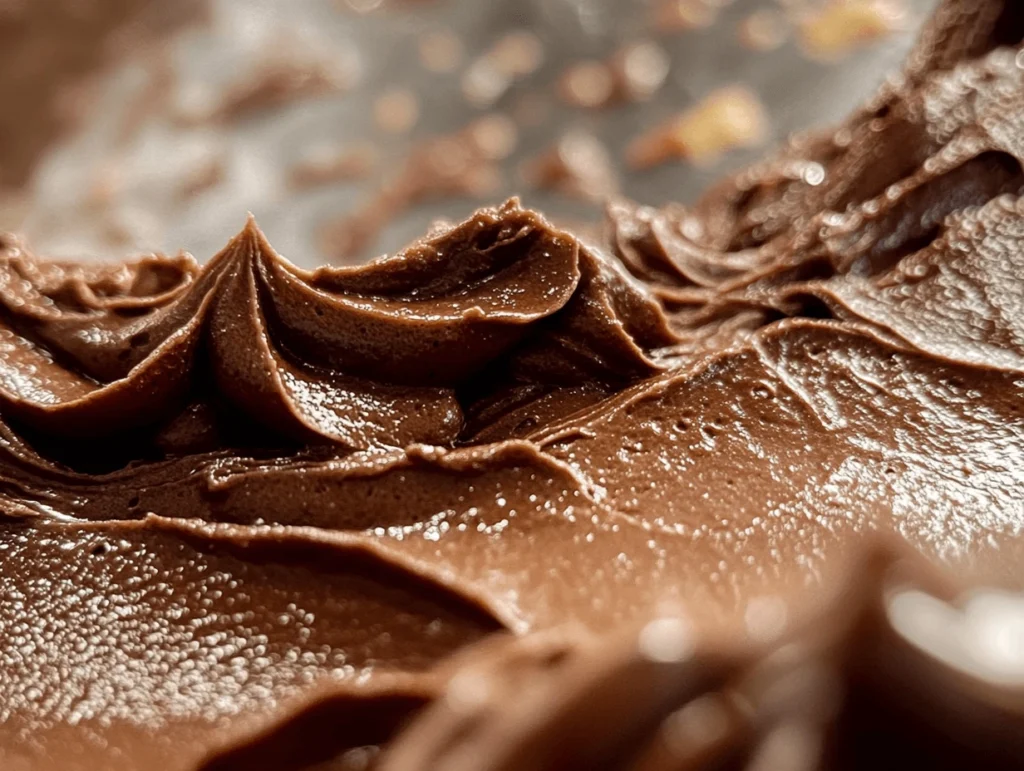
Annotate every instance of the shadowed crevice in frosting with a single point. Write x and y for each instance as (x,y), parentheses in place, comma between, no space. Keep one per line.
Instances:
(503,427)
(932,300)
(357,721)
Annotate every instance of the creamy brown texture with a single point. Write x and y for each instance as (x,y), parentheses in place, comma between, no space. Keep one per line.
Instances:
(250,510)
(844,690)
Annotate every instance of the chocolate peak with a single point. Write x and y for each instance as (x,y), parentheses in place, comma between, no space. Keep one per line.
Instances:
(251,512)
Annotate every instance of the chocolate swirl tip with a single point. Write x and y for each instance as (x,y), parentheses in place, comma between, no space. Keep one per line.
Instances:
(360,357)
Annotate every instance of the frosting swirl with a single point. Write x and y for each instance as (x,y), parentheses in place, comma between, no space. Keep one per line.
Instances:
(244,503)
(356,358)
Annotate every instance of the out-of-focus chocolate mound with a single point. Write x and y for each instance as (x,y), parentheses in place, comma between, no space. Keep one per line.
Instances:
(888,675)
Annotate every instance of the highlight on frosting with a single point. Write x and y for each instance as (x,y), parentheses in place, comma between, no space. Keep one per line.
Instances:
(515,499)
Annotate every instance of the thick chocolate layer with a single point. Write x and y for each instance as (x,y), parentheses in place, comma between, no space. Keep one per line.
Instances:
(250,511)
(890,675)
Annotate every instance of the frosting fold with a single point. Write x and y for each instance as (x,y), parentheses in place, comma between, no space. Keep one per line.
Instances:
(251,515)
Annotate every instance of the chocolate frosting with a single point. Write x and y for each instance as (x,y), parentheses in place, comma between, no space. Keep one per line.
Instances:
(250,511)
(846,689)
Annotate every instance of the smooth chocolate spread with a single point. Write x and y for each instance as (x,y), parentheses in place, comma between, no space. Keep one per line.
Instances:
(250,511)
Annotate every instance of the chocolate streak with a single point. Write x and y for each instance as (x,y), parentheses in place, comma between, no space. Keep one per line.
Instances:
(250,510)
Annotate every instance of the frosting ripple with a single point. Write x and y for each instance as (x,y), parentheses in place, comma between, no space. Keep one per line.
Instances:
(250,514)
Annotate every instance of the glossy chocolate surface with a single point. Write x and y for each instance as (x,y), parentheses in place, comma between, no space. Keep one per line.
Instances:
(251,511)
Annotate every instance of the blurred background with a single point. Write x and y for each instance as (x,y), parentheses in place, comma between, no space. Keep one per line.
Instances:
(349,126)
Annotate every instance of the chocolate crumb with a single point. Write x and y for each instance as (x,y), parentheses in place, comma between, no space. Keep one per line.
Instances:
(440,51)
(838,28)
(764,30)
(634,73)
(465,163)
(325,164)
(514,56)
(578,165)
(396,111)
(728,118)
(206,175)
(272,84)
(682,15)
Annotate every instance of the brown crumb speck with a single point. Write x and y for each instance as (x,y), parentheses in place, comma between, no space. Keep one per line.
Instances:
(633,73)
(764,30)
(587,84)
(483,84)
(495,136)
(440,51)
(324,165)
(578,165)
(640,68)
(514,56)
(840,26)
(466,163)
(204,176)
(396,110)
(271,84)
(517,54)
(680,15)
(728,118)
(104,187)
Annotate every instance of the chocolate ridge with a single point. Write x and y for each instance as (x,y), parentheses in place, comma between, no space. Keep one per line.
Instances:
(711,410)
